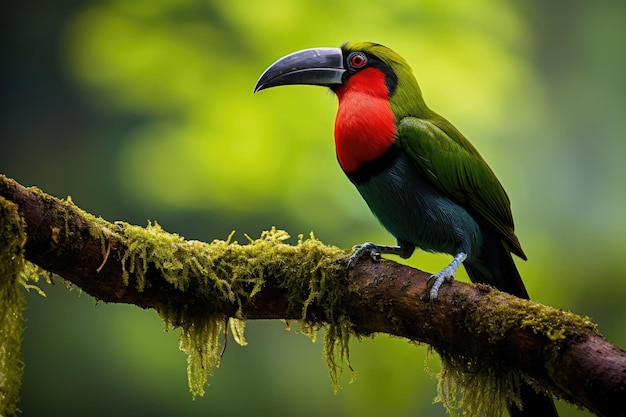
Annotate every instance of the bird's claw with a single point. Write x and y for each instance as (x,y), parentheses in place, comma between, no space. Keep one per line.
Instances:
(360,250)
(434,283)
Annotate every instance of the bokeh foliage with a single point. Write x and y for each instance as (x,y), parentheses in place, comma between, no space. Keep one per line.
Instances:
(144,110)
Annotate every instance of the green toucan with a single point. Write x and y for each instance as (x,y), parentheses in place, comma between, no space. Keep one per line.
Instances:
(423,180)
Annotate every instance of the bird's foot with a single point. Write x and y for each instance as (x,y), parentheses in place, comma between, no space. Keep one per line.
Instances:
(369,248)
(446,274)
(375,251)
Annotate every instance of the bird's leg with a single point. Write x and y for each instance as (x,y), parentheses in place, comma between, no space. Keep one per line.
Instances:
(446,274)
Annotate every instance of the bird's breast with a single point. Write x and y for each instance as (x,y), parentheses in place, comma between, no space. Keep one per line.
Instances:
(414,210)
(365,127)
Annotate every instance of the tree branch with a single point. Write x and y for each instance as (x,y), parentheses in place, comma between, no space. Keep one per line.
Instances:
(473,325)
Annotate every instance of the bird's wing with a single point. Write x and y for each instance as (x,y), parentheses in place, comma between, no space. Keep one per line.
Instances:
(454,166)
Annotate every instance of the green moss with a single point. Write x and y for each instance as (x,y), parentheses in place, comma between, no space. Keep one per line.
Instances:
(220,274)
(33,273)
(12,239)
(337,349)
(223,274)
(14,273)
(179,261)
(320,269)
(227,273)
(482,386)
(467,388)
(199,339)
(500,317)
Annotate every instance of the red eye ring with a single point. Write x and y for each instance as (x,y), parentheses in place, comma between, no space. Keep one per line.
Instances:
(357,60)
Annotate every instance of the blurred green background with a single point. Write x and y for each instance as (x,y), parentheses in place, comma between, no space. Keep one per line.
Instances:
(144,110)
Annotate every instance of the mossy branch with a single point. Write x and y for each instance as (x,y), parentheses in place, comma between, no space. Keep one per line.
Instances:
(200,286)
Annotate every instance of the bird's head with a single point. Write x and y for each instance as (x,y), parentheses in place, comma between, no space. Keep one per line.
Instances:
(337,68)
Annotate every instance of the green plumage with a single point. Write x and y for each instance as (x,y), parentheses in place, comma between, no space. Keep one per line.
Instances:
(461,173)
(442,153)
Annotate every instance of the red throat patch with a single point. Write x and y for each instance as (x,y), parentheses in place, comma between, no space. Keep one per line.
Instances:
(365,126)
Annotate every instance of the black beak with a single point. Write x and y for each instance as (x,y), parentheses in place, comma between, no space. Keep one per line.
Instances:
(316,66)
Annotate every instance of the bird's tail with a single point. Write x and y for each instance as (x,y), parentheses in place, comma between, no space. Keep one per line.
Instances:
(495,267)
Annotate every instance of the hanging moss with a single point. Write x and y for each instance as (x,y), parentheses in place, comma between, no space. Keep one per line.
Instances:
(223,274)
(467,388)
(227,273)
(14,272)
(484,386)
(12,240)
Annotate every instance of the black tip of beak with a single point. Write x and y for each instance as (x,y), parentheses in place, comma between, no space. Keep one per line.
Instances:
(316,66)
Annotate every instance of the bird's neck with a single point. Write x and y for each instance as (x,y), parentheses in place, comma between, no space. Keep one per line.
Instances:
(365,127)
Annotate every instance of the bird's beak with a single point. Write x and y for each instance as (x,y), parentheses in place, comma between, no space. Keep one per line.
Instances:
(316,66)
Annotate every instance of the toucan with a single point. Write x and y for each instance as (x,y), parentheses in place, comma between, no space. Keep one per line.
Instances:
(421,178)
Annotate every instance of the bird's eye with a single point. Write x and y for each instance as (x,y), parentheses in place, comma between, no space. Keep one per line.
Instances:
(357,60)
